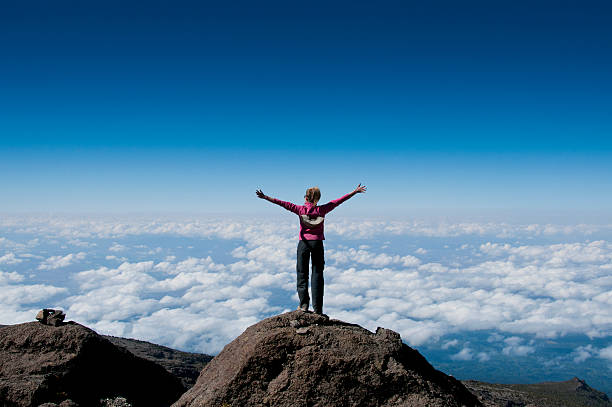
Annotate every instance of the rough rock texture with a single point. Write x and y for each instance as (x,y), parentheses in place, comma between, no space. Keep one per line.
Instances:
(116,402)
(571,393)
(184,365)
(65,403)
(41,363)
(302,359)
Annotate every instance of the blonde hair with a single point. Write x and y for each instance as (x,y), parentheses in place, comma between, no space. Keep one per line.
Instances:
(313,194)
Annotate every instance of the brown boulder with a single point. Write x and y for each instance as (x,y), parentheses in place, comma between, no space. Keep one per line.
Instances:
(47,364)
(50,316)
(303,359)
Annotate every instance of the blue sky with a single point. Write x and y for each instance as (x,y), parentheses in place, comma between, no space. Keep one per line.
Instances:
(190,106)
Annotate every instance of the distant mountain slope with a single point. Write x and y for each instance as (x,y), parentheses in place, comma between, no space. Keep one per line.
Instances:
(186,366)
(571,393)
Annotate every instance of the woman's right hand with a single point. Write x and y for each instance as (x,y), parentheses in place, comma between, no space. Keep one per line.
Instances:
(260,194)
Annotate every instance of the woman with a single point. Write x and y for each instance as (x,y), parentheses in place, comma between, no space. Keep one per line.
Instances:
(311,242)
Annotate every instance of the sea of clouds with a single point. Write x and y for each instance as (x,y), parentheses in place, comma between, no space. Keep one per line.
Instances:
(473,292)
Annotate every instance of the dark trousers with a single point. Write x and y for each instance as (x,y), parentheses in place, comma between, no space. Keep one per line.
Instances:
(305,250)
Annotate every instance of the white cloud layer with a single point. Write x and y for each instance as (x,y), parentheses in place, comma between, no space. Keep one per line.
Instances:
(606,353)
(516,288)
(370,259)
(583,353)
(516,347)
(56,262)
(12,277)
(81,228)
(10,258)
(200,304)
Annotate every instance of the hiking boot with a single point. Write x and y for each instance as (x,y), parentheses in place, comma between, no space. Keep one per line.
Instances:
(323,315)
(303,307)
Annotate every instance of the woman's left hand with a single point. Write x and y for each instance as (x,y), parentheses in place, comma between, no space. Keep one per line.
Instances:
(360,189)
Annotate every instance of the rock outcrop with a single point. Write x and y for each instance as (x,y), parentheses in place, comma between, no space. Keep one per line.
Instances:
(48,316)
(47,364)
(304,359)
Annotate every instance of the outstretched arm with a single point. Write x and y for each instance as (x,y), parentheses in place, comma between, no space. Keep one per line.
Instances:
(360,189)
(287,205)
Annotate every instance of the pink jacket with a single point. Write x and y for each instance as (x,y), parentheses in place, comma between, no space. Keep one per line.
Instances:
(311,216)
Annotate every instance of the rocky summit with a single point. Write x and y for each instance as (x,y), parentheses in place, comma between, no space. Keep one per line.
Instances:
(72,365)
(304,359)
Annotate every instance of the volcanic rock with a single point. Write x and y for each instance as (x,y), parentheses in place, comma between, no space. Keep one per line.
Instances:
(304,359)
(46,364)
(50,316)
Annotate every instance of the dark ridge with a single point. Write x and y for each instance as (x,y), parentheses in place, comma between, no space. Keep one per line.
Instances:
(571,393)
